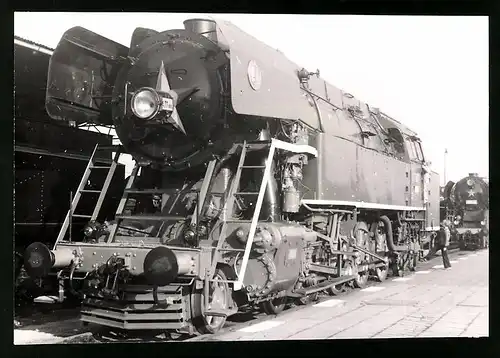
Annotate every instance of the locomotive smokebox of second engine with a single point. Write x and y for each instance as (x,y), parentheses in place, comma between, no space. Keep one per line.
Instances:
(162,265)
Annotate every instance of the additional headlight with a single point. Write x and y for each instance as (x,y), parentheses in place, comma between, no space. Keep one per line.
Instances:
(145,103)
(88,231)
(483,222)
(92,229)
(189,235)
(456,222)
(458,217)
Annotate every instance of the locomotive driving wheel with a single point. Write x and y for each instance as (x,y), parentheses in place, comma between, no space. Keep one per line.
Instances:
(361,239)
(219,298)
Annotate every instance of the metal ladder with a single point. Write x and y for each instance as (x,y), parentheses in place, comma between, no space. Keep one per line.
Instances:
(81,189)
(233,193)
(119,216)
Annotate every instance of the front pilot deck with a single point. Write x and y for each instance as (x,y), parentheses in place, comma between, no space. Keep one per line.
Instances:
(137,309)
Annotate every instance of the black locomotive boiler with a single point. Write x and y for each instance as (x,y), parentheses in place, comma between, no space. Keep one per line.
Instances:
(467,207)
(271,184)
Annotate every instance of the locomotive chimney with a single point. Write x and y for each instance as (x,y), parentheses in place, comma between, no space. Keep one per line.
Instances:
(473,174)
(204,27)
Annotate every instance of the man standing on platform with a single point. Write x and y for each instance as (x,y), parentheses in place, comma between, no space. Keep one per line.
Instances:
(444,242)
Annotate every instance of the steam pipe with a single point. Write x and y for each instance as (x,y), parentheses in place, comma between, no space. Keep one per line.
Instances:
(319,169)
(270,204)
(270,200)
(218,167)
(389,237)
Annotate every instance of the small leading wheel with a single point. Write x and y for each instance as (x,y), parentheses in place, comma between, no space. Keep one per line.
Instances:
(275,306)
(381,273)
(218,300)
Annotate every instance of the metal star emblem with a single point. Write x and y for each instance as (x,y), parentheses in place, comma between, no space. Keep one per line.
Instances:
(162,85)
(471,193)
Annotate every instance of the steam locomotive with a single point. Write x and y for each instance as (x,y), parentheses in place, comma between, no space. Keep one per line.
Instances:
(270,185)
(467,207)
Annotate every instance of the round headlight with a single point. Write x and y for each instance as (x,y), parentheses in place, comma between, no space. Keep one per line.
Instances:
(92,229)
(483,222)
(88,231)
(189,235)
(145,103)
(458,217)
(456,222)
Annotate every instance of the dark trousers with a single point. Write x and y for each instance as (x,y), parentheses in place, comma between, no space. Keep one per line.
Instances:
(446,259)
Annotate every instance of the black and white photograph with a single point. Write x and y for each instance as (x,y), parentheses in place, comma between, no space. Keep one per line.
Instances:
(201,177)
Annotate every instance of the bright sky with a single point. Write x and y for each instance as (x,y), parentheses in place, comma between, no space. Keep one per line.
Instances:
(429,72)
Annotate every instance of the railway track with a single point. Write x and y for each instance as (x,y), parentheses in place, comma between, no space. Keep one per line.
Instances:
(234,322)
(89,334)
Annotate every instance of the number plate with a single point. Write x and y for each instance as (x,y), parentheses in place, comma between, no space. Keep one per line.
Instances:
(167,104)
(471,202)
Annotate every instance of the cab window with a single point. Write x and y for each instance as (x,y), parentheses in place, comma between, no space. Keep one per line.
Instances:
(411,148)
(420,153)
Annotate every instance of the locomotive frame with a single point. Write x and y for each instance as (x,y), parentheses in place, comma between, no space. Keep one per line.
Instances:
(371,204)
